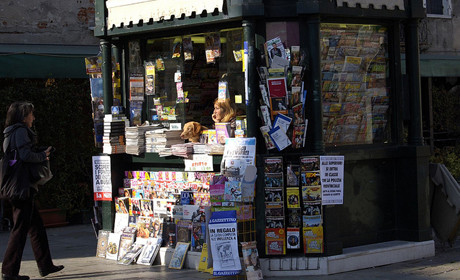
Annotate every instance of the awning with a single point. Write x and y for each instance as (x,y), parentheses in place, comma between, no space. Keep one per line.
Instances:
(44,61)
(389,4)
(436,65)
(124,12)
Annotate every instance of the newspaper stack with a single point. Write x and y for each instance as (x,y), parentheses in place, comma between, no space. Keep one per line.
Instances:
(160,141)
(113,139)
(199,148)
(182,150)
(135,138)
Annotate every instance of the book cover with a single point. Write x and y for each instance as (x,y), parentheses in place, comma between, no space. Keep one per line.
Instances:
(298,136)
(265,110)
(278,105)
(279,138)
(178,257)
(277,87)
(113,246)
(268,141)
(102,242)
(297,111)
(132,253)
(149,251)
(282,121)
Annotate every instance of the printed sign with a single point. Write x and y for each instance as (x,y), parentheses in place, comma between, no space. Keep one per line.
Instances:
(331,170)
(199,163)
(224,243)
(102,178)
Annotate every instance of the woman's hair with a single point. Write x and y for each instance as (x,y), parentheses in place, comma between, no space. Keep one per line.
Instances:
(227,108)
(17,112)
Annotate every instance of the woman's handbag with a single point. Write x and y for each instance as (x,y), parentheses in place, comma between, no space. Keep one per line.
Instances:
(40,173)
(15,182)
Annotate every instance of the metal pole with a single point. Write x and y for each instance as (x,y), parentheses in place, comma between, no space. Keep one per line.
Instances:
(251,79)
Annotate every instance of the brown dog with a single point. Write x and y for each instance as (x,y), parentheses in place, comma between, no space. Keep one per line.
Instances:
(192,131)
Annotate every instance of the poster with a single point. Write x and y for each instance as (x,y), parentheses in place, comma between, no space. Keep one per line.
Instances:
(331,171)
(224,243)
(102,179)
(238,154)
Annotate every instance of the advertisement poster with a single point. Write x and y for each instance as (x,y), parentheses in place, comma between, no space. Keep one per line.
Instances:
(238,154)
(102,178)
(332,179)
(199,163)
(224,243)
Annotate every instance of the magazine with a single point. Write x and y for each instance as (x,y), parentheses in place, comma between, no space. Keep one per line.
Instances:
(113,246)
(178,258)
(102,241)
(132,253)
(149,251)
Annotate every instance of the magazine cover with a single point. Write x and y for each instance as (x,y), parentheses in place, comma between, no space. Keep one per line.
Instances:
(311,209)
(198,236)
(177,260)
(275,209)
(274,195)
(313,239)
(273,165)
(293,197)
(122,205)
(144,227)
(309,164)
(294,218)
(126,240)
(293,238)
(149,251)
(232,191)
(184,231)
(113,246)
(132,253)
(311,194)
(293,175)
(251,260)
(275,243)
(102,242)
(274,180)
(121,221)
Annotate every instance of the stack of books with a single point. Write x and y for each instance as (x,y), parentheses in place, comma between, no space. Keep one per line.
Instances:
(160,141)
(113,139)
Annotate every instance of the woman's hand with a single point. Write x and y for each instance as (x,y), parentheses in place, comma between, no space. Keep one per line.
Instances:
(48,152)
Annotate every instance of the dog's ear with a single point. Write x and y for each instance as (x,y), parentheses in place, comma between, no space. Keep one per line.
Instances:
(196,127)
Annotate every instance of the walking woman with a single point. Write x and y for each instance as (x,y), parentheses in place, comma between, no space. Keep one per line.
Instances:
(19,136)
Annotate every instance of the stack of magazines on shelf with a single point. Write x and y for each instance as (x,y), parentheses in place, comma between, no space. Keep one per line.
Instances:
(182,150)
(113,139)
(160,141)
(135,138)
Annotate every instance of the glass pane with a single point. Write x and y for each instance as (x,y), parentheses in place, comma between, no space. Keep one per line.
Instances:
(434,7)
(355,94)
(185,75)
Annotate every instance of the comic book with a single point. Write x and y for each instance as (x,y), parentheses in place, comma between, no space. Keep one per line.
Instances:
(293,197)
(232,191)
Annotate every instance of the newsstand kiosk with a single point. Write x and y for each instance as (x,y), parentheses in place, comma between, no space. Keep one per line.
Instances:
(316,90)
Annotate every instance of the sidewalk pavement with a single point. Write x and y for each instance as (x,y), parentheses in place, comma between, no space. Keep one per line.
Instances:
(74,247)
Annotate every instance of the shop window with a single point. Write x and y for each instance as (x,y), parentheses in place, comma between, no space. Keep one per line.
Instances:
(182,75)
(355,90)
(438,8)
